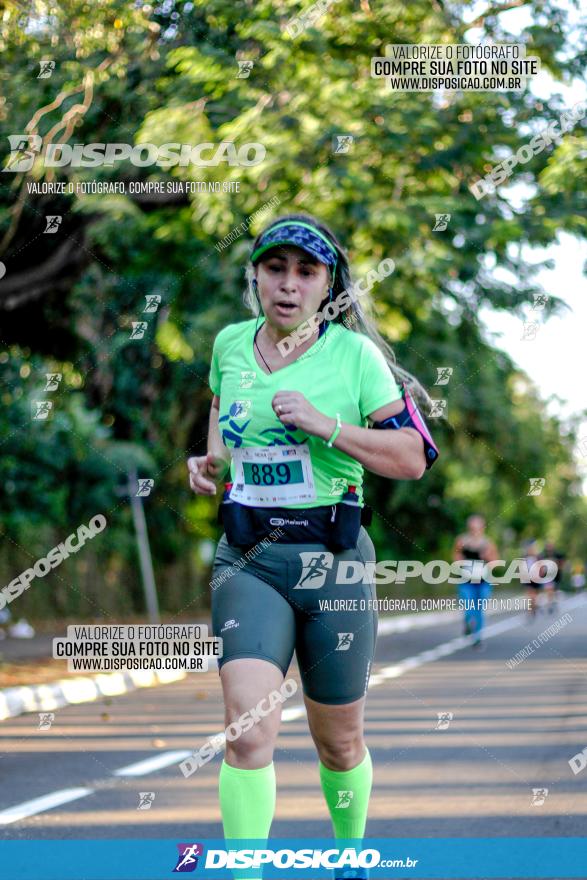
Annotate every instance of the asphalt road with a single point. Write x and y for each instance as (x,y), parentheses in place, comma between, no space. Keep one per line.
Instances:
(512,730)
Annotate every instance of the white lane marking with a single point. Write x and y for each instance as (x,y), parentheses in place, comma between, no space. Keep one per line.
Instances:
(149,765)
(293,713)
(406,622)
(424,619)
(141,768)
(446,648)
(40,804)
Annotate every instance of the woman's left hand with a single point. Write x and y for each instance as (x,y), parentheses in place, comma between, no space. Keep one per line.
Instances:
(292,408)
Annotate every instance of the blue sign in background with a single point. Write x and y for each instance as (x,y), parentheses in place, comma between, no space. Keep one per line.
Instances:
(155,859)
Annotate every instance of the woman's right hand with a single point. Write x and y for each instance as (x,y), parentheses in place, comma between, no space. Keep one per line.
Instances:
(205,471)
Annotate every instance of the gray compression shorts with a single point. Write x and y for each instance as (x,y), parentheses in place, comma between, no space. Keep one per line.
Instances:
(269,605)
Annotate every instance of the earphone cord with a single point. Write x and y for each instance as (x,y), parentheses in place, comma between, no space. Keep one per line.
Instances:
(259,350)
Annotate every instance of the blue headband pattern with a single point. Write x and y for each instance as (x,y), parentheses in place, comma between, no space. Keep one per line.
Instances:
(301,235)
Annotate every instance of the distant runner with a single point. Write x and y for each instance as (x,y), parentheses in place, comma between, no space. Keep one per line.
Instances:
(474,545)
(552,587)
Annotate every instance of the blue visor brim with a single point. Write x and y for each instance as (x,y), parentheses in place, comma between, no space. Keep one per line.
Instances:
(298,235)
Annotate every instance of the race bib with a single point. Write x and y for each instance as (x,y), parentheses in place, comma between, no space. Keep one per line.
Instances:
(272,476)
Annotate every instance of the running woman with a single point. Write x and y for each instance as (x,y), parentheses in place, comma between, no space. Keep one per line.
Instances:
(290,417)
(475,546)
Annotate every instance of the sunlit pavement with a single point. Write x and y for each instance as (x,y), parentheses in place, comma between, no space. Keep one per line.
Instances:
(512,730)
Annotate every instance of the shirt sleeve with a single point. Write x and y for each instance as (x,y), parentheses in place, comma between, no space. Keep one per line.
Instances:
(215,376)
(378,385)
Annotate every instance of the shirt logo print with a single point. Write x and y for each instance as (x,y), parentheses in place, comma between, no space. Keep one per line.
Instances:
(233,432)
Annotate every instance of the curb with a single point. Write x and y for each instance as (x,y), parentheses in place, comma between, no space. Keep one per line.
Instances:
(84,689)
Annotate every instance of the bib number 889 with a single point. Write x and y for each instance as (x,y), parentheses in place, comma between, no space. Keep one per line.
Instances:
(264,474)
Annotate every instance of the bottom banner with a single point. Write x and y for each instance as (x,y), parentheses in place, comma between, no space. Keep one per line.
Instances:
(296,858)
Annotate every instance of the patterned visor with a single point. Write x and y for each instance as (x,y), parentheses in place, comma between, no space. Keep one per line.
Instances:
(301,235)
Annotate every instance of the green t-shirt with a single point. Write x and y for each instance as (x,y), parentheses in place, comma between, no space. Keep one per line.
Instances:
(343,371)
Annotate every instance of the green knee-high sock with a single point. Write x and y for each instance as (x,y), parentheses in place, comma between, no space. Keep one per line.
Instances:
(347,797)
(247,802)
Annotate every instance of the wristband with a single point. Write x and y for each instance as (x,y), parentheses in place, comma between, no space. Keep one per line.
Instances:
(336,431)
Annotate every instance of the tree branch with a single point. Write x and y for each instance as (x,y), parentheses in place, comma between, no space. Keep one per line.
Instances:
(15,290)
